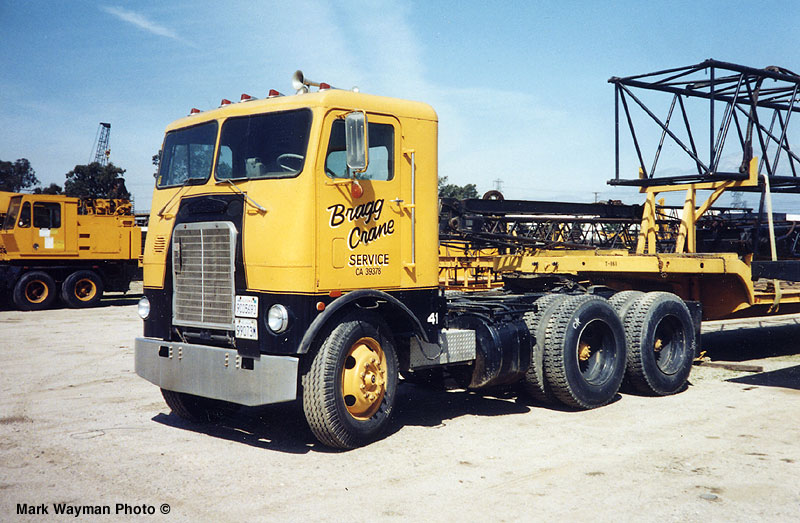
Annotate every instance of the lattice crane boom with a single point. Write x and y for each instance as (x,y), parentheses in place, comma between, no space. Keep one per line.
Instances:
(102,150)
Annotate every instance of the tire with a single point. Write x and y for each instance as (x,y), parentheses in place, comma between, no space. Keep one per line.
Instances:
(82,289)
(622,302)
(350,388)
(661,344)
(534,382)
(585,352)
(34,291)
(493,195)
(195,408)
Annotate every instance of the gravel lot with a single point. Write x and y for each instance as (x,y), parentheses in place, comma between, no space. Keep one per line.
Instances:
(78,427)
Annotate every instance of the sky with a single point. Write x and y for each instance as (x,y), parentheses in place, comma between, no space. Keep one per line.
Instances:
(520,88)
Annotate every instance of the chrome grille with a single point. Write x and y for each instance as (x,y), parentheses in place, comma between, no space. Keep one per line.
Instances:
(202,270)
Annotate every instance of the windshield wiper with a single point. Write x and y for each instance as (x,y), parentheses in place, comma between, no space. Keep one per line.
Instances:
(252,201)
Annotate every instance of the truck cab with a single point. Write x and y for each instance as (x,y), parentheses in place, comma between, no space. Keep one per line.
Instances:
(262,237)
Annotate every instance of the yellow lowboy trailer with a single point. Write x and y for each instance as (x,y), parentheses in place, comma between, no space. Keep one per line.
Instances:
(725,283)
(53,245)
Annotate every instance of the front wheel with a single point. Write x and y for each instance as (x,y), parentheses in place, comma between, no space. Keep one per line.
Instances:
(195,408)
(35,291)
(349,390)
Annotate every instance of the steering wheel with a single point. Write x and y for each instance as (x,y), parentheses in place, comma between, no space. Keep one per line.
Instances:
(288,156)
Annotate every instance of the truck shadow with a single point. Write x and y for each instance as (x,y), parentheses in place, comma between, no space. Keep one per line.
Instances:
(430,407)
(283,427)
(109,300)
(752,343)
(738,343)
(280,427)
(788,378)
(120,300)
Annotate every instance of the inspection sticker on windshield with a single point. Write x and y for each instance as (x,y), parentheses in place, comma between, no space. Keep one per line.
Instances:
(246,328)
(247,306)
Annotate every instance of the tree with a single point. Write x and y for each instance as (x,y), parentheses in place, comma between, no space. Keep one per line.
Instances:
(156,162)
(96,181)
(451,190)
(53,188)
(17,176)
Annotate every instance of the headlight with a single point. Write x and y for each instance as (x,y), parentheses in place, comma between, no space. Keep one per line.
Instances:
(144,307)
(278,318)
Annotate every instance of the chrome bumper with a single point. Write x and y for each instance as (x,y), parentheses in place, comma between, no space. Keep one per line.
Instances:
(213,372)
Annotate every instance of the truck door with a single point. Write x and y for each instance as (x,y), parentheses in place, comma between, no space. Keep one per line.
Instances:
(47,233)
(360,235)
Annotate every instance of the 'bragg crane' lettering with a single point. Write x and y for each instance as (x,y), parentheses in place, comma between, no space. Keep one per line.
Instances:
(369,211)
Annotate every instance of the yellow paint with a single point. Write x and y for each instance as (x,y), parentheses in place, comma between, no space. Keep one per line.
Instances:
(296,245)
(104,229)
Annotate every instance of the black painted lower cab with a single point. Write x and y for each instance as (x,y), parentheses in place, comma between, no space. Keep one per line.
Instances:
(303,309)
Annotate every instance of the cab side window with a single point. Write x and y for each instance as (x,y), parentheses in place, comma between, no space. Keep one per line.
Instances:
(46,215)
(25,215)
(381,153)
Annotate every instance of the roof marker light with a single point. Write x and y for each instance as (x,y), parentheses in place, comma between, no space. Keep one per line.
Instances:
(224,101)
(323,86)
(273,93)
(194,110)
(247,98)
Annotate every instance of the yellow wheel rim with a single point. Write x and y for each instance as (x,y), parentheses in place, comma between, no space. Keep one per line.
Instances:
(85,289)
(364,378)
(36,291)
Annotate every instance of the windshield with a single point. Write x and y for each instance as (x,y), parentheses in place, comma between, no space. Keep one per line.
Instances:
(188,154)
(271,145)
(11,217)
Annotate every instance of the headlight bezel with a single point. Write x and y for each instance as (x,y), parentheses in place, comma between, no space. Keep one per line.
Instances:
(277,318)
(143,308)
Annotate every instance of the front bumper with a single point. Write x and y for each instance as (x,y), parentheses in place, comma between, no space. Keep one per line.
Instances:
(218,373)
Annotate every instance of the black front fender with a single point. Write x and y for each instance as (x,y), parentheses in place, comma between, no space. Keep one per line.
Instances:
(365,298)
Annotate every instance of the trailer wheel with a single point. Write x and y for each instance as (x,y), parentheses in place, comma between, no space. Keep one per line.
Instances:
(622,302)
(82,289)
(585,352)
(534,382)
(195,408)
(661,342)
(349,390)
(36,290)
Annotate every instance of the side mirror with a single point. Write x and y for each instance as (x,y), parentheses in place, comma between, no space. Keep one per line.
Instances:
(355,132)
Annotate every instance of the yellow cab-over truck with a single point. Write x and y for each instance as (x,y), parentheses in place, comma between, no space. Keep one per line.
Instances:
(77,248)
(293,253)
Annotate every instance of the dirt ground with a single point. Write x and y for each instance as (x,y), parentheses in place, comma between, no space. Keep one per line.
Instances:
(78,427)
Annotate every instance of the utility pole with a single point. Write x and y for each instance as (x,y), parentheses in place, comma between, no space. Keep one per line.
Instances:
(498,185)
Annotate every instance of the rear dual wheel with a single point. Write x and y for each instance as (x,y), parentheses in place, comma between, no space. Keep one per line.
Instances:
(534,381)
(584,358)
(349,390)
(82,289)
(661,344)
